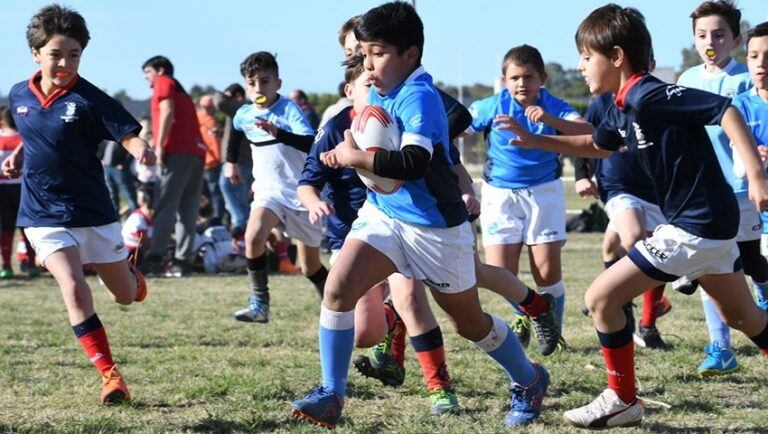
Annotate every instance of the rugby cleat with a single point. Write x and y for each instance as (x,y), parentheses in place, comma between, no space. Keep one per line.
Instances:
(649,337)
(141,282)
(444,401)
(720,360)
(546,327)
(114,390)
(257,311)
(321,407)
(526,401)
(522,328)
(606,411)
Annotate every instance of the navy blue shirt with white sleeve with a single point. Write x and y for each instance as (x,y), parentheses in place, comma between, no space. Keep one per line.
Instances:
(346,191)
(663,125)
(63,180)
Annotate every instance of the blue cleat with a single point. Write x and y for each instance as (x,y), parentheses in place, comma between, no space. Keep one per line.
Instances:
(525,405)
(762,304)
(720,360)
(257,311)
(321,407)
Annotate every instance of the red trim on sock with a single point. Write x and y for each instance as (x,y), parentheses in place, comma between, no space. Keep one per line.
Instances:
(620,363)
(96,347)
(536,307)
(6,247)
(434,368)
(650,299)
(398,344)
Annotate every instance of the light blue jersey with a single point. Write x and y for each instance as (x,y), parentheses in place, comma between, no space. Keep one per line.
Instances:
(434,200)
(509,166)
(755,112)
(730,82)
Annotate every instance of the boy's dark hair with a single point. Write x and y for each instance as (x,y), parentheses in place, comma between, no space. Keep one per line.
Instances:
(353,67)
(157,62)
(724,8)
(235,89)
(524,55)
(758,31)
(348,26)
(259,62)
(145,192)
(612,25)
(340,90)
(56,20)
(395,23)
(6,118)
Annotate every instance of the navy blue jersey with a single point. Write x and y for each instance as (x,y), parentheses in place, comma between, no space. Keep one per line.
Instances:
(346,191)
(435,200)
(618,173)
(63,179)
(663,125)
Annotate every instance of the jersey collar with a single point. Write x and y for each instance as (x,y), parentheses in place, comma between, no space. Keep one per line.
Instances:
(46,101)
(621,97)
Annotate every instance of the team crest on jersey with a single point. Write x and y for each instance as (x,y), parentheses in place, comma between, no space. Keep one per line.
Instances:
(674,90)
(70,115)
(641,143)
(416,121)
(319,135)
(22,110)
(730,93)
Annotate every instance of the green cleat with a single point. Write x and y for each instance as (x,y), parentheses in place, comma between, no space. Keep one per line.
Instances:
(6,273)
(381,365)
(522,328)
(444,401)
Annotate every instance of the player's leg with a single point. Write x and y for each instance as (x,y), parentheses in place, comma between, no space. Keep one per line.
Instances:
(188,210)
(308,258)
(371,319)
(260,224)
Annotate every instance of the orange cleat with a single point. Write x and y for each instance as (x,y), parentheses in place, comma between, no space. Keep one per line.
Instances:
(114,389)
(141,282)
(286,267)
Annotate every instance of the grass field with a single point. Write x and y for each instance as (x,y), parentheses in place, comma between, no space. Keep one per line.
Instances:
(192,368)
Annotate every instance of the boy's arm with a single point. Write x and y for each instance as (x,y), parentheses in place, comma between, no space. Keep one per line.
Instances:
(568,127)
(581,145)
(309,197)
(734,126)
(11,166)
(467,190)
(139,148)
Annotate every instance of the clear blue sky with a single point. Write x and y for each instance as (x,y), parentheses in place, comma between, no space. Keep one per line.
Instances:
(206,40)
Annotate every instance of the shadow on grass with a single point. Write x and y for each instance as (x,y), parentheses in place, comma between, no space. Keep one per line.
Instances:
(662,427)
(215,425)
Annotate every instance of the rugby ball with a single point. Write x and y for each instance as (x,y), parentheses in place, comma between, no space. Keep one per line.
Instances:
(374,130)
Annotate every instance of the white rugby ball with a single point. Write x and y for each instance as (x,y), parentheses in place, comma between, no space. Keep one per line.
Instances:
(374,130)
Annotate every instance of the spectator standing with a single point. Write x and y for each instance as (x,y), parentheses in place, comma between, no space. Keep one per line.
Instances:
(211,134)
(299,97)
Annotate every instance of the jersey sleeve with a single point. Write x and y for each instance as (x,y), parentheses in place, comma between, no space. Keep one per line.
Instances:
(482,114)
(163,88)
(607,137)
(419,113)
(297,122)
(459,118)
(315,173)
(453,154)
(677,104)
(563,110)
(238,119)
(109,120)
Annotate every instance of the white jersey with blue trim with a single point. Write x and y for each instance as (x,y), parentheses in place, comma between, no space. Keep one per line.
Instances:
(729,82)
(509,166)
(276,166)
(435,199)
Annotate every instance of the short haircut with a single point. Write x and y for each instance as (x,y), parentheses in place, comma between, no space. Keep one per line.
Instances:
(259,62)
(612,25)
(758,31)
(723,8)
(235,89)
(157,62)
(56,20)
(6,118)
(348,26)
(395,23)
(340,90)
(524,55)
(353,67)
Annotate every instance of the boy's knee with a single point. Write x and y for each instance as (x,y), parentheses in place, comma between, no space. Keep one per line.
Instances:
(596,304)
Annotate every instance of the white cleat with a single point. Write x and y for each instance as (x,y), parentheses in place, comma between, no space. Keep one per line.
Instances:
(606,411)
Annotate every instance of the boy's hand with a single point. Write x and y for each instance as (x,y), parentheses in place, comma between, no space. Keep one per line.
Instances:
(342,155)
(758,193)
(586,188)
(472,204)
(525,139)
(537,114)
(318,210)
(763,151)
(232,172)
(11,166)
(267,126)
(146,157)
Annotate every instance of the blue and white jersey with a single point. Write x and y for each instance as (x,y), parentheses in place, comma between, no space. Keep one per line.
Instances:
(755,112)
(63,180)
(730,82)
(276,166)
(346,192)
(509,166)
(663,125)
(435,200)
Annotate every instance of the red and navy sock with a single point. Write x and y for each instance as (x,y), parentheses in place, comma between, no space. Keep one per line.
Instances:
(651,298)
(761,340)
(534,304)
(619,354)
(93,339)
(431,353)
(6,246)
(318,279)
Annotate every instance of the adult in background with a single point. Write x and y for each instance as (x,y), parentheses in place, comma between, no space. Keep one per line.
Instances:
(299,97)
(335,108)
(180,154)
(117,173)
(211,134)
(236,196)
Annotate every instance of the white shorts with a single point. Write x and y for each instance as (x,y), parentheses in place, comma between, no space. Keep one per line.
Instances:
(442,258)
(293,223)
(651,213)
(671,253)
(750,225)
(96,244)
(534,215)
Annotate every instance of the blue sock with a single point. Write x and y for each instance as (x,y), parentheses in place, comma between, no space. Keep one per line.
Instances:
(761,291)
(558,292)
(515,307)
(503,347)
(718,331)
(337,338)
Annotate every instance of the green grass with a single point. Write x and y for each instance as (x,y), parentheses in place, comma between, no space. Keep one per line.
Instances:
(192,368)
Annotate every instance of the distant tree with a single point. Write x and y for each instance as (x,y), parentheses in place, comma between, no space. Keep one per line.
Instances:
(567,84)
(196,91)
(321,101)
(691,56)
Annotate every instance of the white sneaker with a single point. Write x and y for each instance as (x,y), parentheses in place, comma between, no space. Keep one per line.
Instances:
(607,411)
